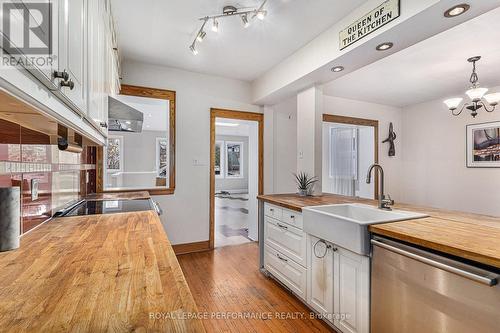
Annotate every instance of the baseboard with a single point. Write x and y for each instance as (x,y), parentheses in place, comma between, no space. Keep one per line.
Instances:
(191,247)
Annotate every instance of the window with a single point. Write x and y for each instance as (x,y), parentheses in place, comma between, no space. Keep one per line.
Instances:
(161,157)
(234,159)
(219,159)
(114,153)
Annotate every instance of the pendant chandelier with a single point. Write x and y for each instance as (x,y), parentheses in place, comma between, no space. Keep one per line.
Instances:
(246,15)
(477,96)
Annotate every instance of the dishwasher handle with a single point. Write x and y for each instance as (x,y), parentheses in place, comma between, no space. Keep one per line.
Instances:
(480,276)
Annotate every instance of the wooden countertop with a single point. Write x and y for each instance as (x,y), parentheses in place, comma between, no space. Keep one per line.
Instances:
(97,273)
(470,236)
(120,196)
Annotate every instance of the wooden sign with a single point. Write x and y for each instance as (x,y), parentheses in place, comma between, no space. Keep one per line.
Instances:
(380,16)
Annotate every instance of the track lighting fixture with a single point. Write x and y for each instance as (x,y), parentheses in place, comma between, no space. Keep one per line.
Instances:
(246,15)
(215,26)
(201,36)
(244,19)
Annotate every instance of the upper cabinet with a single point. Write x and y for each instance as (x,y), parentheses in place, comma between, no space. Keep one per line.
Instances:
(73,51)
(84,65)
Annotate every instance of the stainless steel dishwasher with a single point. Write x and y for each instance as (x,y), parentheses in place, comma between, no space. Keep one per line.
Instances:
(414,290)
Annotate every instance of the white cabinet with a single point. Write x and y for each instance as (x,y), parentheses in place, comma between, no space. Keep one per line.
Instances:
(286,271)
(320,277)
(287,239)
(351,277)
(73,50)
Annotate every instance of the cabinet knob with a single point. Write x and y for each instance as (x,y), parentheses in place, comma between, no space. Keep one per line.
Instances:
(103,124)
(271,209)
(61,75)
(69,83)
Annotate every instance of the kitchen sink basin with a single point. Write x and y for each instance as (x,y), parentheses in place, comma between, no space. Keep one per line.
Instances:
(346,225)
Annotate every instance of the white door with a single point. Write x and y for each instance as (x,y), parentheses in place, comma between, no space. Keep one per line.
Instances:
(351,291)
(73,48)
(320,279)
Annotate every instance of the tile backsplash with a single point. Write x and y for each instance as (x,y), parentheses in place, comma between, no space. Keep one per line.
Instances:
(28,157)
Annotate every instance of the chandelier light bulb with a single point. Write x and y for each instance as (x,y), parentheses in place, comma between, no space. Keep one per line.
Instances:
(215,26)
(261,14)
(492,99)
(475,94)
(244,19)
(453,103)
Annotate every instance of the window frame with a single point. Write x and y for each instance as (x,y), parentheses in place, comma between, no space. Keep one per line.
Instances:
(222,159)
(242,161)
(120,138)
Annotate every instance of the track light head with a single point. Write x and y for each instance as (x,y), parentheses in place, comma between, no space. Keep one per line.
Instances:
(261,14)
(201,36)
(244,19)
(193,49)
(215,25)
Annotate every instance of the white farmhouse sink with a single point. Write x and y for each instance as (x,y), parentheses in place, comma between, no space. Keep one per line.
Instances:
(346,225)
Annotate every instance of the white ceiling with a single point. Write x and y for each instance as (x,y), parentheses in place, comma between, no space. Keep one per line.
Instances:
(160,32)
(432,69)
(155,111)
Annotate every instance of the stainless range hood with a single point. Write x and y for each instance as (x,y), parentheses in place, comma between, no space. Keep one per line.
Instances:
(123,118)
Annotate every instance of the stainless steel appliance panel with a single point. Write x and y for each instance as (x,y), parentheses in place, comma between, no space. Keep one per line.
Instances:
(415,291)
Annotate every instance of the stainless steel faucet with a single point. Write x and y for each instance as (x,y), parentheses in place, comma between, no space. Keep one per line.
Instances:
(384,201)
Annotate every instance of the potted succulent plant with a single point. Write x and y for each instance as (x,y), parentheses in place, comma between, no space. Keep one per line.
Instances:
(305,184)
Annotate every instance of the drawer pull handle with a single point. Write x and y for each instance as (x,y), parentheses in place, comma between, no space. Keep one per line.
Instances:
(292,216)
(281,258)
(282,226)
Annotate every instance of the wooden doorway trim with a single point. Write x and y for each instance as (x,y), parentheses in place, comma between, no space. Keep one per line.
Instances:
(330,118)
(240,115)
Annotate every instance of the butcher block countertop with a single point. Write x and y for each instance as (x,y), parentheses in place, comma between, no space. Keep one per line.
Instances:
(470,236)
(96,273)
(120,196)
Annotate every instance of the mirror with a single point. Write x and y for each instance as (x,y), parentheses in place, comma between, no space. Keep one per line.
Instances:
(139,150)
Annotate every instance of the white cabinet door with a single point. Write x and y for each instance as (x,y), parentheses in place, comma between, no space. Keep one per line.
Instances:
(351,291)
(73,48)
(320,277)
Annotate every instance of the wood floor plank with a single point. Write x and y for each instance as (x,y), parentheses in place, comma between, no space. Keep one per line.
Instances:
(228,280)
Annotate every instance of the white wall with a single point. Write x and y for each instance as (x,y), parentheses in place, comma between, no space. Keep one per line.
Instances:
(434,171)
(232,184)
(384,114)
(186,213)
(285,146)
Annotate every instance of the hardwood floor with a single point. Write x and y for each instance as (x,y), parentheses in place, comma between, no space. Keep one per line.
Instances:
(227,281)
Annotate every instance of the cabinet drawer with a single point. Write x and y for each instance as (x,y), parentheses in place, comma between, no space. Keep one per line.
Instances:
(286,271)
(286,239)
(273,211)
(293,218)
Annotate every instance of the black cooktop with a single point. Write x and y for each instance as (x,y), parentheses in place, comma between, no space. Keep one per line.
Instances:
(91,207)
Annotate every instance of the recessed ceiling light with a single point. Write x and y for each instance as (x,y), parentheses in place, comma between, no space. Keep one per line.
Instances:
(384,46)
(337,69)
(456,10)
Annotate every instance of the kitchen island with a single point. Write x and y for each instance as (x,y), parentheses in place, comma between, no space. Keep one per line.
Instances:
(470,236)
(96,273)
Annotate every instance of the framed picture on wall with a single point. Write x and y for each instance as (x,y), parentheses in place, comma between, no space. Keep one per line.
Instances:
(219,159)
(234,159)
(483,145)
(161,157)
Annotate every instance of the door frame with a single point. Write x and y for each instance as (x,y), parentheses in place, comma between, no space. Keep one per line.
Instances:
(240,115)
(331,118)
